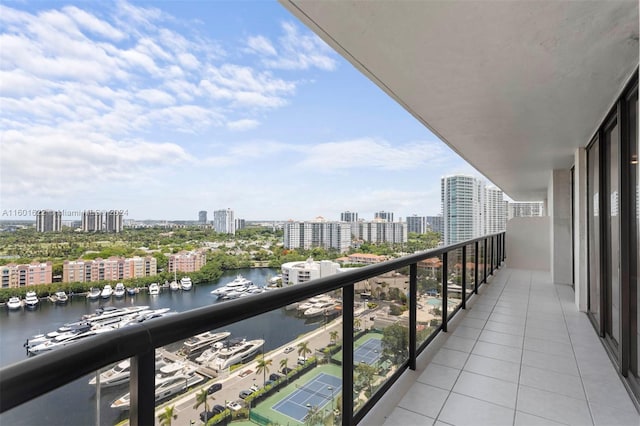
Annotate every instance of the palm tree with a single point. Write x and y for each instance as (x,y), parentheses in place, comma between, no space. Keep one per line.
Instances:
(201,398)
(334,336)
(356,323)
(167,415)
(303,349)
(284,364)
(263,367)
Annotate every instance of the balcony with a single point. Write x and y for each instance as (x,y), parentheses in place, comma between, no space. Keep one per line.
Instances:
(513,350)
(520,354)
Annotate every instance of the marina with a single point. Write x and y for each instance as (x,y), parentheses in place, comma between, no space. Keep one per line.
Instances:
(276,328)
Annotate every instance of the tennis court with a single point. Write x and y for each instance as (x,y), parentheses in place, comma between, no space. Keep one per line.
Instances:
(315,393)
(368,352)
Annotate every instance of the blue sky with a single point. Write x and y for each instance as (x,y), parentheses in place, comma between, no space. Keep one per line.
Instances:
(170,107)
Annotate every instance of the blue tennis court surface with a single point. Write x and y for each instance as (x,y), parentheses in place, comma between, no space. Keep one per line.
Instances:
(315,393)
(369,352)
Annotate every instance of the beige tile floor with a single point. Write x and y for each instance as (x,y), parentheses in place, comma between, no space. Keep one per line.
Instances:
(521,354)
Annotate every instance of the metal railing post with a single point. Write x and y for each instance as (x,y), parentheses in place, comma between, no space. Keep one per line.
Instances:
(464,277)
(484,259)
(347,355)
(491,257)
(413,314)
(445,290)
(142,388)
(475,271)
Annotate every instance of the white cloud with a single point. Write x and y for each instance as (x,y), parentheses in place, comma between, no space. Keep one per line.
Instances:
(262,45)
(244,124)
(294,50)
(369,153)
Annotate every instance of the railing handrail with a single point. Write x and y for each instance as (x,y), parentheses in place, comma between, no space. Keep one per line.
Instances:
(33,377)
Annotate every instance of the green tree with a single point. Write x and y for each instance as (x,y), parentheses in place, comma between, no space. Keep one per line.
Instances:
(365,374)
(201,398)
(284,362)
(303,349)
(356,324)
(395,343)
(313,417)
(263,367)
(334,336)
(167,416)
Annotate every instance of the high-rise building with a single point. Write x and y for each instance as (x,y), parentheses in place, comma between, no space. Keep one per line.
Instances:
(13,275)
(462,201)
(386,216)
(348,216)
(49,221)
(223,221)
(495,211)
(240,224)
(92,221)
(114,221)
(381,231)
(318,233)
(202,217)
(436,224)
(417,224)
(526,209)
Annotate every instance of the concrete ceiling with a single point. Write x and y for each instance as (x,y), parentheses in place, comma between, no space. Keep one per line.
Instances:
(512,86)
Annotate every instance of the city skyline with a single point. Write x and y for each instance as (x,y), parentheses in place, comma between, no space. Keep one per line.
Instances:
(162,109)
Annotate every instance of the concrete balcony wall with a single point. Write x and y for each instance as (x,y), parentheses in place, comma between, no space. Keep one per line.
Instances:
(528,243)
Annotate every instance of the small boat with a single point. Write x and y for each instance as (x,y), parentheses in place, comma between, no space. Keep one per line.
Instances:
(185,283)
(174,286)
(154,289)
(119,291)
(14,303)
(201,341)
(94,293)
(236,353)
(107,291)
(31,300)
(61,298)
(132,291)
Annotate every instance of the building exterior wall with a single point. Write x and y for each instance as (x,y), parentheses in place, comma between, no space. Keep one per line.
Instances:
(417,224)
(223,221)
(462,200)
(92,221)
(187,261)
(301,272)
(348,216)
(49,221)
(22,275)
(114,221)
(111,269)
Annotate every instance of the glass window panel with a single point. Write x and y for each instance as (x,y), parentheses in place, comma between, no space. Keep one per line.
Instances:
(593,223)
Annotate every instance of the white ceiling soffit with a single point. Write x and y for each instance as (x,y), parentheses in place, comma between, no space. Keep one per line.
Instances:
(513,87)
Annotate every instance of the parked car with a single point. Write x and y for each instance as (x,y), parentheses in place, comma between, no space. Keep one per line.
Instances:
(214,388)
(245,393)
(254,387)
(268,383)
(234,405)
(206,415)
(301,360)
(274,376)
(288,349)
(217,409)
(286,370)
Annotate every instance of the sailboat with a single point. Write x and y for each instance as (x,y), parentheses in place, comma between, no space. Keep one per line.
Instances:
(174,286)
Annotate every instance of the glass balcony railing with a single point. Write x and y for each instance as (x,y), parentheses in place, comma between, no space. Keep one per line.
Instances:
(362,330)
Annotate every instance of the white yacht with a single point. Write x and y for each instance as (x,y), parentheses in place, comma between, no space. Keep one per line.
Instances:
(174,286)
(319,309)
(185,283)
(14,303)
(240,352)
(119,374)
(61,297)
(94,293)
(107,291)
(165,387)
(54,344)
(201,341)
(238,284)
(154,289)
(119,291)
(210,354)
(31,300)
